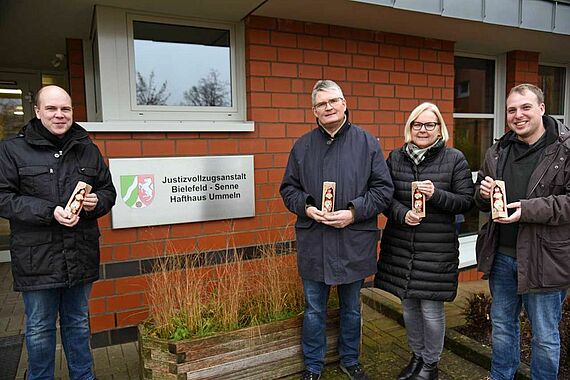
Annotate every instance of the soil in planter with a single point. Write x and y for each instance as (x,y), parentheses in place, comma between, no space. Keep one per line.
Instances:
(478,327)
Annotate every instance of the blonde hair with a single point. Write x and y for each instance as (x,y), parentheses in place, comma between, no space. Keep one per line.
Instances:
(414,115)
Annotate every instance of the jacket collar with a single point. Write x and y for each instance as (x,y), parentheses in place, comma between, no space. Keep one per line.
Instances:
(345,126)
(30,133)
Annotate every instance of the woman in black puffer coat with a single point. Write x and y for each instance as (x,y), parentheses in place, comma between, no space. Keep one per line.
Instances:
(419,256)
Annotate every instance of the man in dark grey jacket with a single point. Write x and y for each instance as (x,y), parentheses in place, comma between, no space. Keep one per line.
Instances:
(54,252)
(338,247)
(527,254)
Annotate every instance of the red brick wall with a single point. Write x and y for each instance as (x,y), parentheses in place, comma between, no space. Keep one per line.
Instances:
(74,49)
(383,76)
(522,67)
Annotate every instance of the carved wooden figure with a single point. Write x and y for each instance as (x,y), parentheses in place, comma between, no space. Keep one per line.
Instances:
(499,200)
(75,203)
(418,200)
(329,192)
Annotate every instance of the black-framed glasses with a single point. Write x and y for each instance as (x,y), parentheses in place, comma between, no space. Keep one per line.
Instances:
(417,126)
(332,102)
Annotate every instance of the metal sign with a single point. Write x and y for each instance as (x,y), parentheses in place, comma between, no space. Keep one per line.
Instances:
(156,191)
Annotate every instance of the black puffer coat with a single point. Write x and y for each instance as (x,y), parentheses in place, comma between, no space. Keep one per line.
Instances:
(35,177)
(422,261)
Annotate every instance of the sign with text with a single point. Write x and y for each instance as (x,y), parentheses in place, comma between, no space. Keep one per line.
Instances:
(156,191)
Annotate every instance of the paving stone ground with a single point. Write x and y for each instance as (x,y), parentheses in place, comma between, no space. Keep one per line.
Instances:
(384,344)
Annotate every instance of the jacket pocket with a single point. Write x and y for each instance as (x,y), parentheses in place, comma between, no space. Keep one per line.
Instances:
(485,249)
(32,253)
(555,262)
(88,175)
(88,248)
(36,180)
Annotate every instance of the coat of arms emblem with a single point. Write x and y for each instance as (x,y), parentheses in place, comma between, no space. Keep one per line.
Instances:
(137,191)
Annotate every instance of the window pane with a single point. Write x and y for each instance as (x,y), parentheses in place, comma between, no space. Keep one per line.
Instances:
(474,85)
(178,65)
(11,112)
(11,120)
(552,81)
(473,137)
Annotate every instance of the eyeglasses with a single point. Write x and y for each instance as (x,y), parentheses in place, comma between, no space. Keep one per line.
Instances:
(332,102)
(417,126)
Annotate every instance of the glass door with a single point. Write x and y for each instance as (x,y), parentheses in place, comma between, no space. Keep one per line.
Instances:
(15,111)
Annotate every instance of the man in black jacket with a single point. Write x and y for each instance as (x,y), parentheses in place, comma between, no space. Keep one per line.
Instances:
(336,244)
(54,253)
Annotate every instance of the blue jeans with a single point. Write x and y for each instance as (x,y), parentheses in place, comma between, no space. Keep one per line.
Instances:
(544,311)
(314,342)
(42,308)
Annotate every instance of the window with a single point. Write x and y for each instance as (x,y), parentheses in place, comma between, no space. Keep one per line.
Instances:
(552,81)
(196,73)
(166,74)
(474,120)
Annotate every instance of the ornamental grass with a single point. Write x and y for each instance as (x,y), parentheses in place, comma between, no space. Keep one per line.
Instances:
(197,295)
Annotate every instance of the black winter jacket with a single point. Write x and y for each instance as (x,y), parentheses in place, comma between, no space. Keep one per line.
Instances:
(35,177)
(422,261)
(354,160)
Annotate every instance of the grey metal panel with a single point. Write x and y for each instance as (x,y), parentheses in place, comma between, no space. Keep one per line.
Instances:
(537,14)
(428,6)
(562,20)
(467,9)
(378,2)
(503,12)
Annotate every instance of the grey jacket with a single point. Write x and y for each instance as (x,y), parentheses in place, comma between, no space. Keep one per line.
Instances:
(354,160)
(543,240)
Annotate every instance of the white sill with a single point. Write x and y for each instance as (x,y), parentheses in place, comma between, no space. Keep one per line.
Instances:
(169,126)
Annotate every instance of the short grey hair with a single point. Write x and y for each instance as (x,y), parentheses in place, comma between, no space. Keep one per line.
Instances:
(323,85)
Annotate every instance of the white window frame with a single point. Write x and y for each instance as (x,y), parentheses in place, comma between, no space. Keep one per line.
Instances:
(566,102)
(467,255)
(117,109)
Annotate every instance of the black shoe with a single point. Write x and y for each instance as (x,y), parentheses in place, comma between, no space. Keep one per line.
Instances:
(308,375)
(428,371)
(412,368)
(355,372)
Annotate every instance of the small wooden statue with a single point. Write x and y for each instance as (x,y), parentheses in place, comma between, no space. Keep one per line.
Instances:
(418,200)
(329,191)
(75,203)
(499,200)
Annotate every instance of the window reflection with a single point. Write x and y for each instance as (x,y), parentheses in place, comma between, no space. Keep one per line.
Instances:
(11,120)
(474,85)
(177,65)
(473,137)
(11,112)
(552,80)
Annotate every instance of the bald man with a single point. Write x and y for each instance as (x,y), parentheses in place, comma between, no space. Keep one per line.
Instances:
(54,253)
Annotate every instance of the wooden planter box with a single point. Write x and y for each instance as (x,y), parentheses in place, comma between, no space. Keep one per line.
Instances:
(269,351)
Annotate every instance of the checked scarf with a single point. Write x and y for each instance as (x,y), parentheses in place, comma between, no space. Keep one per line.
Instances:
(418,154)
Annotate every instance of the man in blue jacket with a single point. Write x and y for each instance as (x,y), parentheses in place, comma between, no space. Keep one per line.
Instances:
(54,252)
(338,247)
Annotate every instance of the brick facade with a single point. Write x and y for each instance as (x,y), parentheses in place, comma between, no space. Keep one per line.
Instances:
(383,76)
(522,67)
(74,48)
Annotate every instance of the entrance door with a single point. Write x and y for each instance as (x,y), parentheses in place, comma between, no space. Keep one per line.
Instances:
(15,110)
